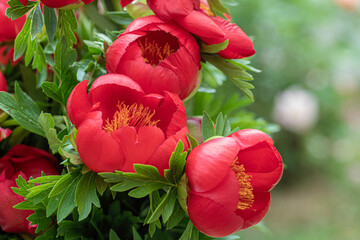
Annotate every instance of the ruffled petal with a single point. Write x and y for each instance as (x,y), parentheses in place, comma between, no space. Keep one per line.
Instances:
(249,137)
(78,104)
(257,212)
(142,23)
(160,159)
(136,146)
(212,218)
(209,163)
(200,24)
(263,162)
(98,150)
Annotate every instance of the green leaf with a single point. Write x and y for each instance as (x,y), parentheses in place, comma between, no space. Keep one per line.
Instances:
(17,10)
(193,142)
(214,48)
(71,230)
(136,235)
(63,183)
(113,235)
(176,164)
(101,185)
(30,52)
(23,109)
(22,39)
(47,123)
(220,124)
(217,7)
(68,24)
(190,232)
(53,204)
(67,202)
(39,62)
(85,194)
(39,193)
(207,125)
(37,22)
(39,218)
(165,207)
(26,205)
(50,22)
(49,234)
(23,189)
(177,215)
(52,91)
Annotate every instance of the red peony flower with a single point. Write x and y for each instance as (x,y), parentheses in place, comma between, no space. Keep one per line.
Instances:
(157,55)
(196,17)
(68,4)
(3,84)
(9,28)
(25,161)
(229,181)
(119,125)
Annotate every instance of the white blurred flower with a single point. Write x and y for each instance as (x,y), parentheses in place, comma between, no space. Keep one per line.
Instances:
(296,109)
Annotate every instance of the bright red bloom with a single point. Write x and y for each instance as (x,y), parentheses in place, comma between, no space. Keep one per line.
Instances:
(61,3)
(25,161)
(196,17)
(119,125)
(3,84)
(157,55)
(9,28)
(229,181)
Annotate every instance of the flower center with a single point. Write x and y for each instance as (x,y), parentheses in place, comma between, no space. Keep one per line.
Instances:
(134,115)
(246,196)
(156,46)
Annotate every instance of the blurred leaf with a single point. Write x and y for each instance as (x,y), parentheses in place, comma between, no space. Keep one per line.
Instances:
(217,7)
(177,215)
(136,235)
(192,141)
(214,48)
(71,230)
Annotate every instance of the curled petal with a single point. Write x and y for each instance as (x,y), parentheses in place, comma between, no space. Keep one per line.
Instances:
(212,218)
(257,212)
(143,23)
(209,163)
(249,137)
(98,149)
(201,25)
(263,162)
(78,104)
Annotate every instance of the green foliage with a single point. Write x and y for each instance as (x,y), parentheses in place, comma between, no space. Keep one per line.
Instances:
(217,7)
(17,10)
(221,127)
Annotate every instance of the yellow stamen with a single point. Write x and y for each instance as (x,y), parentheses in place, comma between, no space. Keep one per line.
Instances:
(134,115)
(206,9)
(246,196)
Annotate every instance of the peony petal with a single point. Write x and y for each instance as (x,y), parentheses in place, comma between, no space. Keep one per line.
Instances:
(263,163)
(240,45)
(99,150)
(166,9)
(12,220)
(78,104)
(142,23)
(225,193)
(125,2)
(200,24)
(3,84)
(212,218)
(209,163)
(137,146)
(111,89)
(172,114)
(249,137)
(257,212)
(161,157)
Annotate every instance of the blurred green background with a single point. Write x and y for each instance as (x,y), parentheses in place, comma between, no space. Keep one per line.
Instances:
(309,53)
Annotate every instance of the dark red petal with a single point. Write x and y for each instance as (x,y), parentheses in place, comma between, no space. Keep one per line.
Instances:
(161,157)
(249,137)
(263,163)
(125,2)
(12,220)
(111,89)
(98,150)
(212,218)
(78,104)
(200,24)
(24,2)
(209,163)
(166,9)
(226,193)
(3,84)
(117,50)
(257,212)
(138,146)
(172,114)
(240,45)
